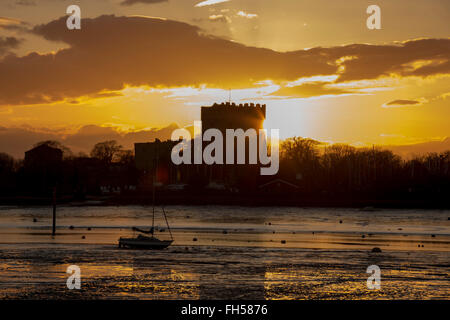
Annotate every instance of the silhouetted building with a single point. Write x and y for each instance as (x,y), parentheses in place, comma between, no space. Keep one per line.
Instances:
(157,153)
(43,166)
(278,186)
(218,116)
(232,116)
(43,156)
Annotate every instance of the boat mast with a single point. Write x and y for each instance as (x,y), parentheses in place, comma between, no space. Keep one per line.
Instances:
(167,222)
(154,182)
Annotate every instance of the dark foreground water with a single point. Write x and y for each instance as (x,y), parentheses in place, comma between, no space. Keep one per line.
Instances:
(239,253)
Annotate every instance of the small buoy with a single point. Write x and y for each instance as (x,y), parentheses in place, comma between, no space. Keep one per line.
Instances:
(313,232)
(340,221)
(418,245)
(34,220)
(422,246)
(433,236)
(399,229)
(376,249)
(71,227)
(224,231)
(89,229)
(83,237)
(188,217)
(274,232)
(363,236)
(195,239)
(283,241)
(270,223)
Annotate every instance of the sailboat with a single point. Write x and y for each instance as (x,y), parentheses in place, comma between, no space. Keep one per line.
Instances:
(146,239)
(146,242)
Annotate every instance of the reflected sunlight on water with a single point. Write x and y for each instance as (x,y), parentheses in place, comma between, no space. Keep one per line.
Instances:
(239,253)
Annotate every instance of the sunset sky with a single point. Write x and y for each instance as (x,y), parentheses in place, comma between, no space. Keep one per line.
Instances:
(137,67)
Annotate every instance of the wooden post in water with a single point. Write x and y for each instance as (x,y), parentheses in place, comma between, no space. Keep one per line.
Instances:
(54,212)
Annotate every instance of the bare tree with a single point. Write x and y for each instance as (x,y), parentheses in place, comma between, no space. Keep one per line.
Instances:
(126,157)
(301,150)
(107,151)
(6,162)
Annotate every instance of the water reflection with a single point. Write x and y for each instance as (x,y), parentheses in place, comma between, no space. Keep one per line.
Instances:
(239,253)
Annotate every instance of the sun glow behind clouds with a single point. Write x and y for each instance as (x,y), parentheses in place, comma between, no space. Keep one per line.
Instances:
(204,96)
(289,116)
(286,114)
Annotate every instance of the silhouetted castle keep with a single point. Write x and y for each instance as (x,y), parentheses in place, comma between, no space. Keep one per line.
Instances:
(218,116)
(232,116)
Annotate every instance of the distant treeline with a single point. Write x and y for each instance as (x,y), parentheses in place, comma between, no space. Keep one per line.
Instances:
(343,170)
(308,170)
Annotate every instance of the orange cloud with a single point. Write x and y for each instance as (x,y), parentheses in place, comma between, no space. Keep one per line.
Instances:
(131,2)
(312,89)
(403,103)
(7,43)
(111,52)
(373,61)
(219,18)
(12,24)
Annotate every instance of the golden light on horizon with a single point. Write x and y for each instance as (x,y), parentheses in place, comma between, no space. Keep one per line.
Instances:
(356,86)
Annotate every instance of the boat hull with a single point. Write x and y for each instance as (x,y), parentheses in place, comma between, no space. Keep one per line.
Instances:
(144,244)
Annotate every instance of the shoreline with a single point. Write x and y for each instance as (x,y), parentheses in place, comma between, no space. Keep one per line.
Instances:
(231,200)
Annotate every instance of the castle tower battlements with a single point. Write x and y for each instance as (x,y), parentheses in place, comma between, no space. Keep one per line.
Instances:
(233,116)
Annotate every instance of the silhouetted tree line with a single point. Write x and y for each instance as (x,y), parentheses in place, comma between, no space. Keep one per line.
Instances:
(109,166)
(341,170)
(316,170)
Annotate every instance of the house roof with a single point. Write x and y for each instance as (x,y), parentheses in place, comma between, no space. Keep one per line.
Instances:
(43,147)
(278,181)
